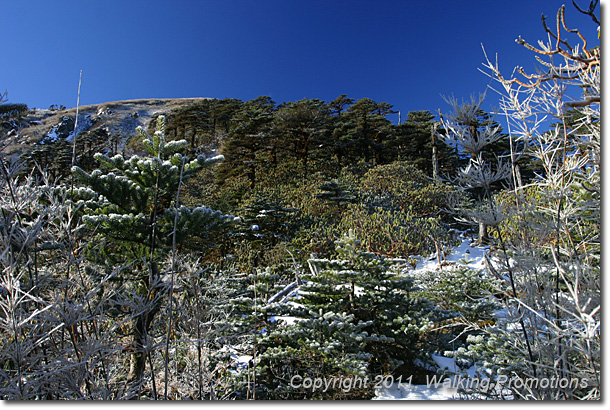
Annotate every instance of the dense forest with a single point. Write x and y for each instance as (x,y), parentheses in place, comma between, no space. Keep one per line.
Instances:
(233,246)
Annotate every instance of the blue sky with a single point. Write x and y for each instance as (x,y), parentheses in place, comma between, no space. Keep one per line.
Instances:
(406,53)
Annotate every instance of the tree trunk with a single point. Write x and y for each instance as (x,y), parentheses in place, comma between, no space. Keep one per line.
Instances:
(483,234)
(141,329)
(434,154)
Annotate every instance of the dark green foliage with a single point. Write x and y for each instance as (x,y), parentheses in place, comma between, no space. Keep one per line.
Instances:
(243,318)
(402,186)
(300,129)
(336,193)
(339,104)
(305,136)
(324,345)
(367,134)
(247,139)
(56,157)
(470,293)
(202,123)
(255,303)
(263,225)
(379,293)
(415,140)
(267,221)
(12,110)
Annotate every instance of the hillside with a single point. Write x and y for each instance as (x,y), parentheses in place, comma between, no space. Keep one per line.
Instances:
(315,252)
(220,249)
(117,118)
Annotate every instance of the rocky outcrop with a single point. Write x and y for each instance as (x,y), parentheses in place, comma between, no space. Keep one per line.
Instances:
(65,127)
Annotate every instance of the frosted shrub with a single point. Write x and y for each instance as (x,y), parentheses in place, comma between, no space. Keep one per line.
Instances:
(476,183)
(55,339)
(549,248)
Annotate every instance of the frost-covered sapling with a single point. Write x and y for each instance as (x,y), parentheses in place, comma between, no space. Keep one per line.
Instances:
(477,140)
(132,204)
(549,249)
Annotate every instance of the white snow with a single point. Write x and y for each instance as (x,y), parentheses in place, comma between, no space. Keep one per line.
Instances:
(51,136)
(438,387)
(474,256)
(445,363)
(406,391)
(241,361)
(289,320)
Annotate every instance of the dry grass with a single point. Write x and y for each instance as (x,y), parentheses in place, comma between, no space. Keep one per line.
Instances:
(121,117)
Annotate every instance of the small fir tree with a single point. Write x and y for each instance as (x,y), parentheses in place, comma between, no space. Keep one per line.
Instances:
(377,291)
(133,206)
(355,315)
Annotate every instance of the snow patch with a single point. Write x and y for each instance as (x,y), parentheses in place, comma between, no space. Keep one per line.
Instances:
(289,320)
(465,254)
(405,391)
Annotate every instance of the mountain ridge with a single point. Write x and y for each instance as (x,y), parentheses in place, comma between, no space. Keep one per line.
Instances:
(121,118)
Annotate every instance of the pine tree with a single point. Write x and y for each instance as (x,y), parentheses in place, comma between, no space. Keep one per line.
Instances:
(355,315)
(336,193)
(324,345)
(263,224)
(12,110)
(378,291)
(247,139)
(250,316)
(370,133)
(133,207)
(301,128)
(338,105)
(416,141)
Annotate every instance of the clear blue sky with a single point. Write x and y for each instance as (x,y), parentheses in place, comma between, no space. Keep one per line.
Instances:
(405,52)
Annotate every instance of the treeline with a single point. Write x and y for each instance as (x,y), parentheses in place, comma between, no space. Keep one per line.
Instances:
(316,136)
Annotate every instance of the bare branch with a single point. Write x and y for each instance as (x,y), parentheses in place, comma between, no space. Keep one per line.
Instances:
(589,12)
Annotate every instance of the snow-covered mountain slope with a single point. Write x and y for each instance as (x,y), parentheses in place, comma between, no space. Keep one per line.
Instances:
(118,118)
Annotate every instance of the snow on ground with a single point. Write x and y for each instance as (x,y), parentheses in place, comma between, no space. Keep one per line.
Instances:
(474,255)
(437,387)
(405,391)
(51,136)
